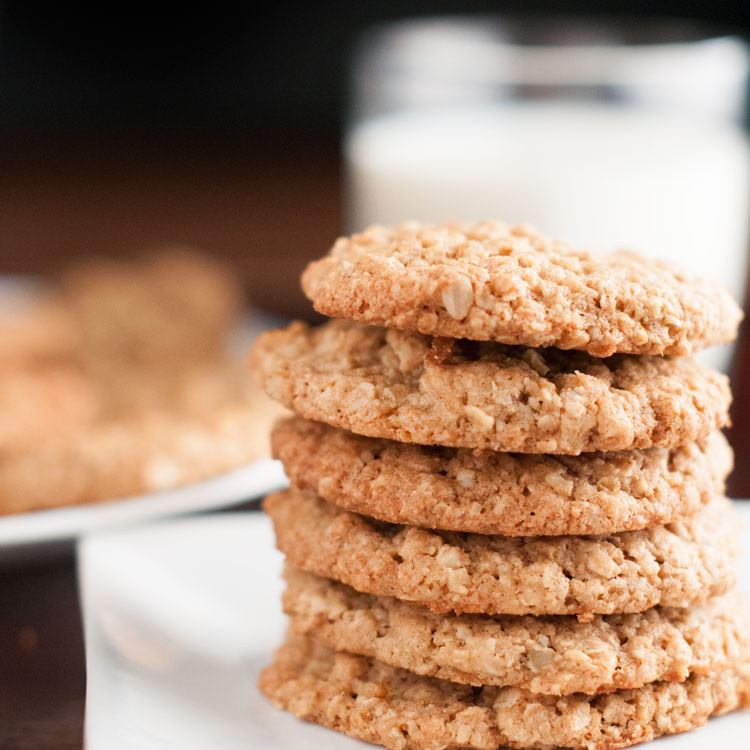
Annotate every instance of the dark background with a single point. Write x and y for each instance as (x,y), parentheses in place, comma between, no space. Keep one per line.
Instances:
(124,126)
(218,72)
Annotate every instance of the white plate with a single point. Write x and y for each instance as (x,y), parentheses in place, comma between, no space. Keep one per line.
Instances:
(60,524)
(180,617)
(31,535)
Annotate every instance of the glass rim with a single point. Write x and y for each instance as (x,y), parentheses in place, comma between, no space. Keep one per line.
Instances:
(651,61)
(532,48)
(583,30)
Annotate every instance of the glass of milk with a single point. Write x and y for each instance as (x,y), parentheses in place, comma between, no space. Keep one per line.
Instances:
(607,135)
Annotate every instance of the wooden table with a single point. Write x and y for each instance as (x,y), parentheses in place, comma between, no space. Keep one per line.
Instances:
(42,671)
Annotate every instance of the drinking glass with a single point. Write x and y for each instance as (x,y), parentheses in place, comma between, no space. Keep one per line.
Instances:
(610,135)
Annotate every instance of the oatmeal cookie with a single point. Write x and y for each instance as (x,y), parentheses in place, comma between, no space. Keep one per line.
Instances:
(553,655)
(494,282)
(671,565)
(371,701)
(416,389)
(502,493)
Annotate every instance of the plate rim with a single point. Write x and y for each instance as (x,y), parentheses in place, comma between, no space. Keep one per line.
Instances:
(68,523)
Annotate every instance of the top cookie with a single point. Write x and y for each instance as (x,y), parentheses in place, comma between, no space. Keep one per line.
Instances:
(494,282)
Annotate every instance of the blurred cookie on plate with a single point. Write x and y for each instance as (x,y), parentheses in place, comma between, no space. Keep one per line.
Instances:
(121,381)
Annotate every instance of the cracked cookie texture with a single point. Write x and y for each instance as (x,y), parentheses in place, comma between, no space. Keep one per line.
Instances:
(417,389)
(554,655)
(502,493)
(369,700)
(494,282)
(672,565)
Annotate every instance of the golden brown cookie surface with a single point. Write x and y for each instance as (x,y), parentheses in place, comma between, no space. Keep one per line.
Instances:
(502,493)
(494,282)
(411,388)
(546,655)
(368,700)
(671,565)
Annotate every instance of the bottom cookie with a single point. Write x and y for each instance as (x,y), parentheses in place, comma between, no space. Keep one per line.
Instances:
(366,699)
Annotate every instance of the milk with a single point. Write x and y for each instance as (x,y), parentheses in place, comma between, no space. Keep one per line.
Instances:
(599,176)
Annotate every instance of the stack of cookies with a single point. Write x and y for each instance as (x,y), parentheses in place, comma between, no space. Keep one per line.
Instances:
(505,525)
